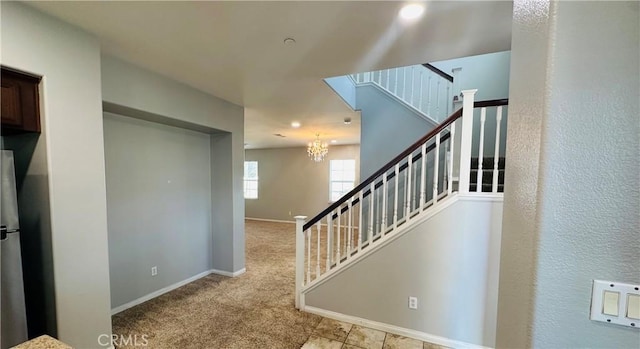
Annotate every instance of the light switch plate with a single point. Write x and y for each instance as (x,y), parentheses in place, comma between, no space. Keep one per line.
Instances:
(598,302)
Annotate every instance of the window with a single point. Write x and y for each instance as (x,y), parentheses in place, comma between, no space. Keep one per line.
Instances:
(342,177)
(250,179)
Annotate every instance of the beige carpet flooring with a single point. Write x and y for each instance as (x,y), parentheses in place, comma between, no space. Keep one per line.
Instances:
(254,310)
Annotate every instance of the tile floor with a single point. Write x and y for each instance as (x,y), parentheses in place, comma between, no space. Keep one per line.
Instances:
(332,334)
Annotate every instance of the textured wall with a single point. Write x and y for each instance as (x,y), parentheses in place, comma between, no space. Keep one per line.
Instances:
(527,91)
(585,224)
(289,181)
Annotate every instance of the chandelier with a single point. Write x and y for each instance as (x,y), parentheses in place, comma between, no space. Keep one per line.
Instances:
(317,150)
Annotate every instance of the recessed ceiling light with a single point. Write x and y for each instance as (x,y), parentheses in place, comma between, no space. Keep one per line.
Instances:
(289,41)
(412,11)
(334,141)
(295,124)
(347,121)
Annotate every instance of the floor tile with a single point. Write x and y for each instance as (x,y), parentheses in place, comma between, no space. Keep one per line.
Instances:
(393,341)
(365,337)
(316,342)
(349,346)
(428,345)
(332,329)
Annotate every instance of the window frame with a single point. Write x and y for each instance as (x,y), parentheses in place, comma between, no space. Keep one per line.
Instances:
(342,181)
(247,180)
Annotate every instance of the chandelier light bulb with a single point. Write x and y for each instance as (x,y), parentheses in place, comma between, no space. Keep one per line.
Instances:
(317,150)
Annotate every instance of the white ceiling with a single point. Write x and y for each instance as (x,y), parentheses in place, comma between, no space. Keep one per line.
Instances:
(235,50)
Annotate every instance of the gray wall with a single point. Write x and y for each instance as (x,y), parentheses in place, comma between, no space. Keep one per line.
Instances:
(158,204)
(388,128)
(132,91)
(489,73)
(291,184)
(69,60)
(572,188)
(32,181)
(449,264)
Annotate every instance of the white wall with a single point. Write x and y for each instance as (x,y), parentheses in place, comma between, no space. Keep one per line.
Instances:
(572,190)
(449,263)
(69,61)
(289,181)
(132,91)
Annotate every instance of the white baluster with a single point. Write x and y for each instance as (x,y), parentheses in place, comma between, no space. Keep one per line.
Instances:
(406,193)
(308,233)
(483,118)
(388,84)
(437,117)
(436,170)
(360,224)
(299,257)
(466,133)
(412,78)
(496,156)
(414,183)
(408,186)
(452,136)
(429,96)
(384,202)
(371,205)
(318,254)
(395,196)
(404,83)
(349,228)
(423,176)
(397,77)
(329,240)
(448,104)
(339,239)
(378,199)
(420,95)
(380,77)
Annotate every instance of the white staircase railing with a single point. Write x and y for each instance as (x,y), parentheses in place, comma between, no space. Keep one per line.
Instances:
(423,90)
(437,166)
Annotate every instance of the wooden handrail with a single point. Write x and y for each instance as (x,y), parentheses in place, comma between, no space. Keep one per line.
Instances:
(448,121)
(438,71)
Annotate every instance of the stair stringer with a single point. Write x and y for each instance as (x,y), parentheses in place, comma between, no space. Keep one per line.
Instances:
(456,282)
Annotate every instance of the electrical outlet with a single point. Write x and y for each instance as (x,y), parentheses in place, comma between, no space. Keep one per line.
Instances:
(154,271)
(413,303)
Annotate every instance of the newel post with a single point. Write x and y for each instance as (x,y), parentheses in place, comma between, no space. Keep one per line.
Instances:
(299,256)
(465,137)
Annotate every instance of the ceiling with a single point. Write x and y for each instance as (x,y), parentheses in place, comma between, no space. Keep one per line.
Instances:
(235,50)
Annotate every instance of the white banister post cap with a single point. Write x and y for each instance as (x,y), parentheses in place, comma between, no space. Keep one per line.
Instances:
(469,92)
(300,217)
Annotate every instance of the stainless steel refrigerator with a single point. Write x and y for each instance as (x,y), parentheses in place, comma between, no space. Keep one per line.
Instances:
(13,322)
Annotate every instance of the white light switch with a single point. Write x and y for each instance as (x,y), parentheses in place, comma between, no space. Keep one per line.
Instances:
(633,306)
(610,303)
(615,303)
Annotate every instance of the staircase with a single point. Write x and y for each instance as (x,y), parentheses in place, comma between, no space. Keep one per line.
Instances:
(408,189)
(422,88)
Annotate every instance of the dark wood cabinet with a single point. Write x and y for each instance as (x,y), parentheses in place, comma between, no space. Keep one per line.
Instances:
(20,102)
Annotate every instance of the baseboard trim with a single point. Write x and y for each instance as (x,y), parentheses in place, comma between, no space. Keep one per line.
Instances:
(269,220)
(172,287)
(422,336)
(228,273)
